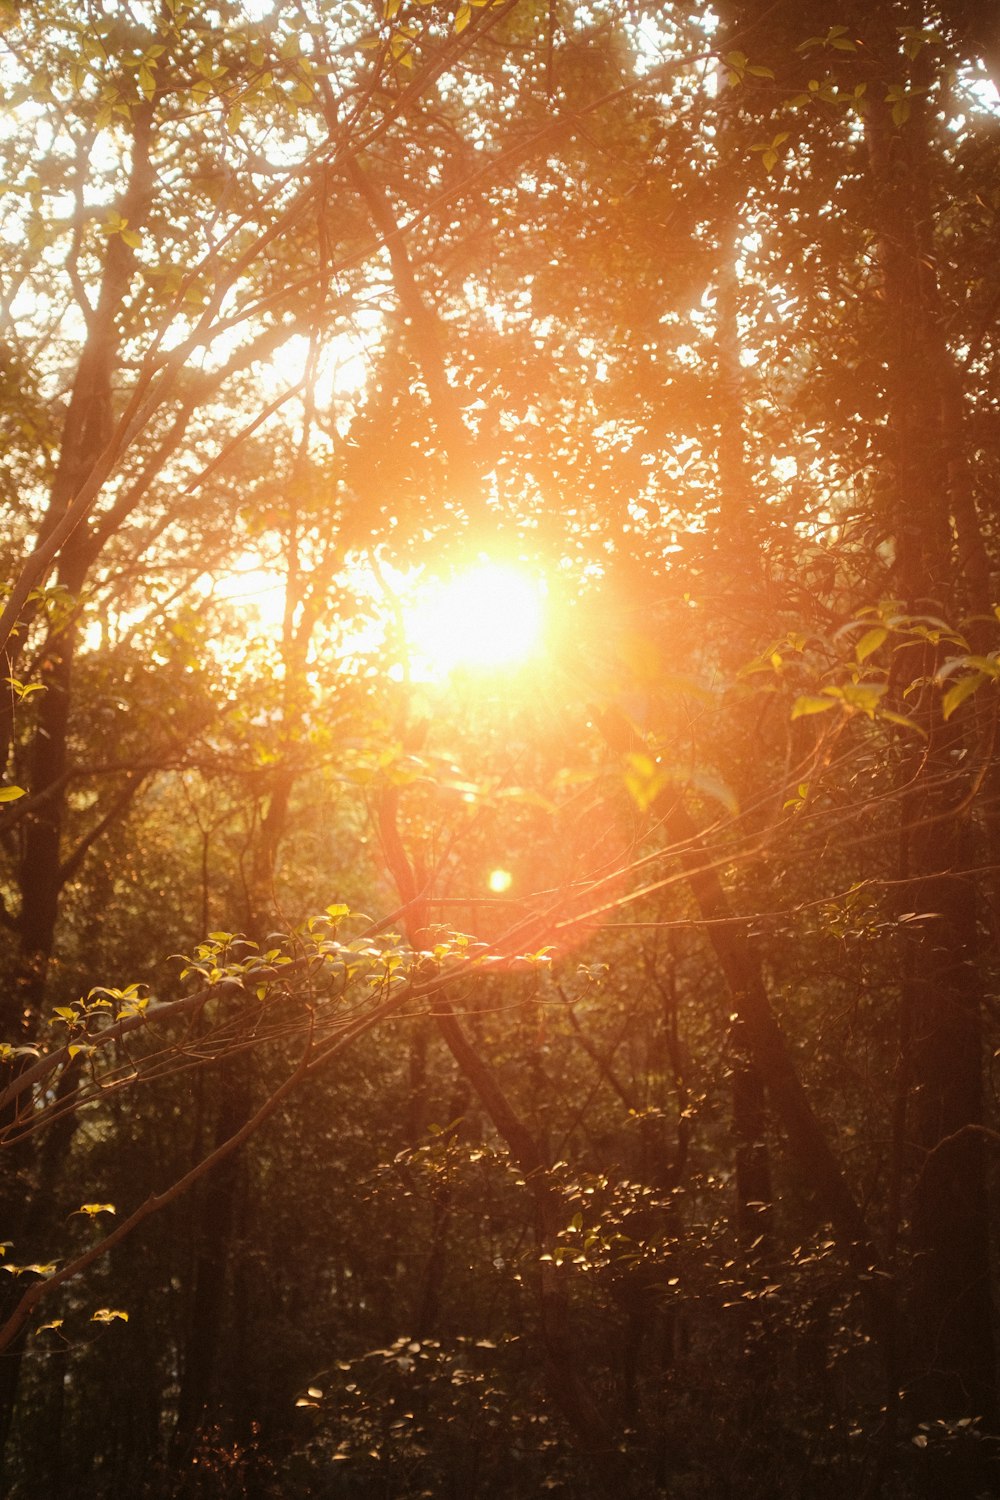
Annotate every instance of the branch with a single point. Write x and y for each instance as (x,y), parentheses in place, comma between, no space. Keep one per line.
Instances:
(308,1065)
(73,861)
(34,1295)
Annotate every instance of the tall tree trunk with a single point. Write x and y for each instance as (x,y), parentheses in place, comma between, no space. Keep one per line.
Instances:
(214,1223)
(41,874)
(567,1386)
(740,549)
(217,1213)
(950,1306)
(568,1390)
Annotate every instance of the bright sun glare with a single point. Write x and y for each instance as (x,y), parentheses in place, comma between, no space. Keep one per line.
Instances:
(489,616)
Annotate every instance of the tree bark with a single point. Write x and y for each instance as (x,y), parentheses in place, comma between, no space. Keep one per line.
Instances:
(937,536)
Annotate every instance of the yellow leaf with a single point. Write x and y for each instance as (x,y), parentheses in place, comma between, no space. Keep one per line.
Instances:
(810,705)
(957,694)
(869,642)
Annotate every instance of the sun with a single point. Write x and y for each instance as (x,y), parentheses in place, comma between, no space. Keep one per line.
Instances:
(489,616)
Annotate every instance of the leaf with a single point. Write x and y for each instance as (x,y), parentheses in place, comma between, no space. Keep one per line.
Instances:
(93,1209)
(861,696)
(11,793)
(869,642)
(809,704)
(462,18)
(22,690)
(959,691)
(109,1315)
(644,780)
(988,665)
